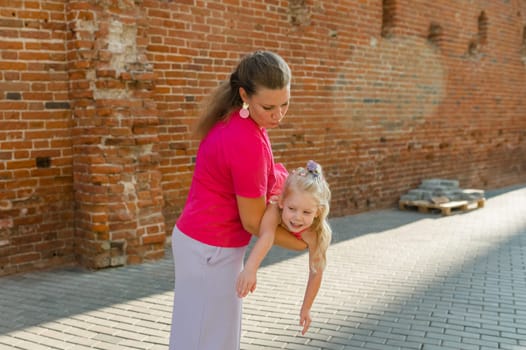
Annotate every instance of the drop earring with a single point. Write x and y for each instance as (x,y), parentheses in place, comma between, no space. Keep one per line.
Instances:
(244,112)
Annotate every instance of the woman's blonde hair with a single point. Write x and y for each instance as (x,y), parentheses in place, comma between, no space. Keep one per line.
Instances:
(259,69)
(311,180)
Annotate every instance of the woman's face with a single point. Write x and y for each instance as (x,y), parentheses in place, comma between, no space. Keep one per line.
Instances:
(267,106)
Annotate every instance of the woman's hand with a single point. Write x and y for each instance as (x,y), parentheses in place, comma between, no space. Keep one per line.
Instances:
(309,237)
(251,212)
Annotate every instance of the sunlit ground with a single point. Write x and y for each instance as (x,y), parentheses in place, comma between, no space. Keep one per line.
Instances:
(395,280)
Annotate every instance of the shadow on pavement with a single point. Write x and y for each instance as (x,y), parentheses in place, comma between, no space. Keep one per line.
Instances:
(492,288)
(463,291)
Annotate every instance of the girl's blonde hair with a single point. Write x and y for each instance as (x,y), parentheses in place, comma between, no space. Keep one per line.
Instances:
(259,69)
(311,180)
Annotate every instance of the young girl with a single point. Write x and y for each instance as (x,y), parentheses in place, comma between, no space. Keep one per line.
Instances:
(302,208)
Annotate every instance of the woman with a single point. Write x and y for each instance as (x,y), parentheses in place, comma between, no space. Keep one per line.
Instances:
(233,178)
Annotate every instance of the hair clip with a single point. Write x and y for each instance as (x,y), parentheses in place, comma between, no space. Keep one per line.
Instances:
(312,168)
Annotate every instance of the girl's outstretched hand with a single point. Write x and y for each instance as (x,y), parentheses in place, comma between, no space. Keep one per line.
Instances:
(246,282)
(305,320)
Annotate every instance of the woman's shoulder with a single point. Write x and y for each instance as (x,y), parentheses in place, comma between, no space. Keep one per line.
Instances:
(243,132)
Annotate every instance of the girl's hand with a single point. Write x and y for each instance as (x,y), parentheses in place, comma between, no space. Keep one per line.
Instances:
(305,320)
(246,282)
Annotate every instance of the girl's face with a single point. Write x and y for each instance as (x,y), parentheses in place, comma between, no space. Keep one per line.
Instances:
(299,209)
(267,107)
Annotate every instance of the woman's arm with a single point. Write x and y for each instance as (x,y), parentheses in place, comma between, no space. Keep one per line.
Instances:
(251,212)
(246,281)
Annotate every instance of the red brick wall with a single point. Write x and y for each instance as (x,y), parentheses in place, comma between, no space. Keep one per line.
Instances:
(36,192)
(98,100)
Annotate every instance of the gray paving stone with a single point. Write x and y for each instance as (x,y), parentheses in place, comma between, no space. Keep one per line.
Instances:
(395,280)
(325,345)
(439,347)
(354,345)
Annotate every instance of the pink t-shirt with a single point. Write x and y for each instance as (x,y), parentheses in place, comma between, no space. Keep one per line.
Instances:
(280,174)
(235,158)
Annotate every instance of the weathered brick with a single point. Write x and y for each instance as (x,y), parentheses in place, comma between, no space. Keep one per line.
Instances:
(382,97)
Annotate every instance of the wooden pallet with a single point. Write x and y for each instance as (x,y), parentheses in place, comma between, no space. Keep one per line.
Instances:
(444,208)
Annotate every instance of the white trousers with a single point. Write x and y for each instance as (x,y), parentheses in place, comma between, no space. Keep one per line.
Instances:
(206,312)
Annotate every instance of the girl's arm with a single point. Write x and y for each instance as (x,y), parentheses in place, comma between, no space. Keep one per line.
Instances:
(246,281)
(251,211)
(313,285)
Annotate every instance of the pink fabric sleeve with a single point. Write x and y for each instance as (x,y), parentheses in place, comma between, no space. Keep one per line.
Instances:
(281,174)
(249,166)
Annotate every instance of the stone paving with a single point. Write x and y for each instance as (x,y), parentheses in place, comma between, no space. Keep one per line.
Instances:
(395,280)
